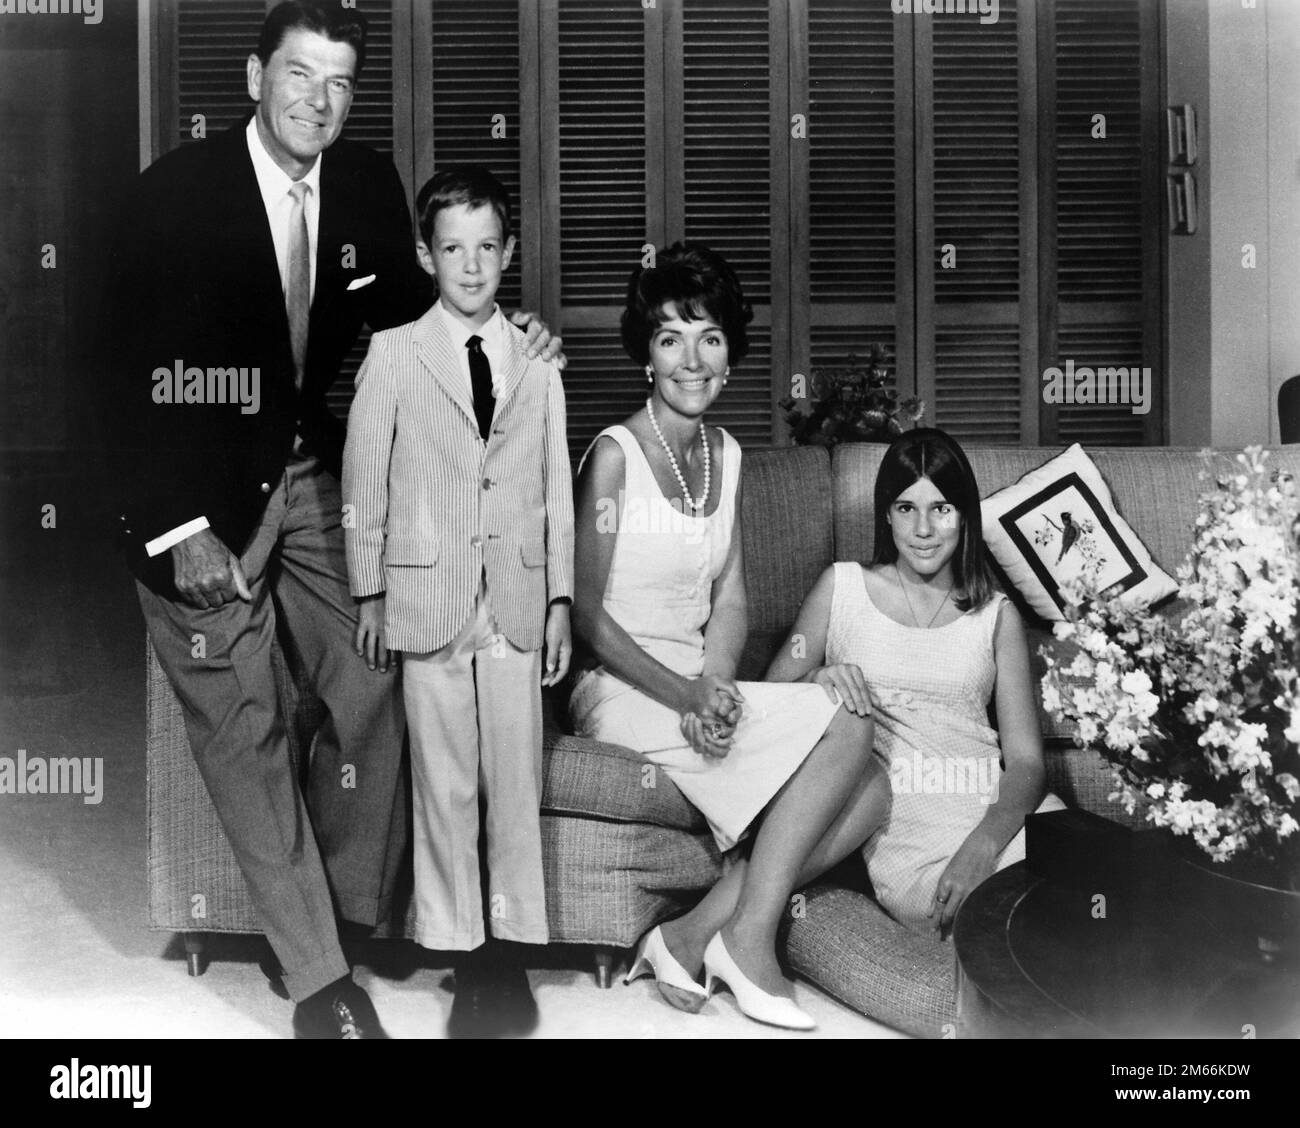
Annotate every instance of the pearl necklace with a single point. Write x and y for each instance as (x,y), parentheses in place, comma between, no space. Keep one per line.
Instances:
(696,506)
(908,599)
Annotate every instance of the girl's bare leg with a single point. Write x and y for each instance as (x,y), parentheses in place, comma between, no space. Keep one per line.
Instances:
(836,799)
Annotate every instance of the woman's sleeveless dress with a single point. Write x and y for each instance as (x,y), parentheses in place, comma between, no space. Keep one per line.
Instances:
(930,691)
(659,589)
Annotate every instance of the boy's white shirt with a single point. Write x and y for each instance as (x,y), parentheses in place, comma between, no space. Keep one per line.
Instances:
(493,334)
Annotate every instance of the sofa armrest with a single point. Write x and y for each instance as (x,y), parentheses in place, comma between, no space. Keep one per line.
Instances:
(1082,778)
(586,778)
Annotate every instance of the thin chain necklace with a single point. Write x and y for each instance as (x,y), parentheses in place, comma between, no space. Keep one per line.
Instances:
(908,600)
(696,506)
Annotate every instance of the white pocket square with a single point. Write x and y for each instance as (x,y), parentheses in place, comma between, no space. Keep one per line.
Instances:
(357,283)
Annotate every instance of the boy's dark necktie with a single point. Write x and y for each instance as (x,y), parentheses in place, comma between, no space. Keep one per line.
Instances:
(480,378)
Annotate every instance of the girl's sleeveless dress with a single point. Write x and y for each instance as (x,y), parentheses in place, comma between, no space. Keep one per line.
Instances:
(930,691)
(659,589)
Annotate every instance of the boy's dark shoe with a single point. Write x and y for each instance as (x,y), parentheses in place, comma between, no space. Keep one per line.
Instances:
(518,1006)
(342,1010)
(493,1000)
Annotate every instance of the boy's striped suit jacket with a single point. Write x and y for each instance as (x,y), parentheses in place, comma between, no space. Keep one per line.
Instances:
(428,506)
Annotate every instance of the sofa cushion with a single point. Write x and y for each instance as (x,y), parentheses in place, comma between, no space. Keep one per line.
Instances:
(844,942)
(609,882)
(788,531)
(760,648)
(1057,522)
(607,781)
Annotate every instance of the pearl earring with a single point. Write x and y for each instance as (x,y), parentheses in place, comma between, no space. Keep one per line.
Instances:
(649,374)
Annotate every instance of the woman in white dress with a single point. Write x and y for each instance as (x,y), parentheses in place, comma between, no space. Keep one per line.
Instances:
(937,644)
(660,611)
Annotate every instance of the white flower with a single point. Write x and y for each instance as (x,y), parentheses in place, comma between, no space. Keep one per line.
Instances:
(1292,732)
(1081,667)
(1225,669)
(1119,736)
(1105,678)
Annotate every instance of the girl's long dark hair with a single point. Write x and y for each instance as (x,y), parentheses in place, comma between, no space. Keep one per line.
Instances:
(930,453)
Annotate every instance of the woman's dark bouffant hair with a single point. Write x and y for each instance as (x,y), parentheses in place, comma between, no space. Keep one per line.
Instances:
(700,283)
(930,453)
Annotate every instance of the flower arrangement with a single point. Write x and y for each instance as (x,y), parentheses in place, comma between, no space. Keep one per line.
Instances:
(852,404)
(1199,714)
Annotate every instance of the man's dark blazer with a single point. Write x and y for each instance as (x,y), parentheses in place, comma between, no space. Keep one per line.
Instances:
(195,280)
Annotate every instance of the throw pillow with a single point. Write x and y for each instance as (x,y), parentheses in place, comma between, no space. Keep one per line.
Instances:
(1059,521)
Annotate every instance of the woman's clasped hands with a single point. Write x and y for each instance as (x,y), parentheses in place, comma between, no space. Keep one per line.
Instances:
(711,710)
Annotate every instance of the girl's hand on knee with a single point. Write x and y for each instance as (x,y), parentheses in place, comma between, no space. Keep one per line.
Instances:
(846,681)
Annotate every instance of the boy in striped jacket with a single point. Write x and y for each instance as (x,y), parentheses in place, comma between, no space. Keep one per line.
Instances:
(458,515)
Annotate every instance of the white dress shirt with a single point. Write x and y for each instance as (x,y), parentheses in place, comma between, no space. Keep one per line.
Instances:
(274,184)
(493,333)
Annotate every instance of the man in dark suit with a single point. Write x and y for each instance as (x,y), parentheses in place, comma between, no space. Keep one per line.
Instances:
(244,271)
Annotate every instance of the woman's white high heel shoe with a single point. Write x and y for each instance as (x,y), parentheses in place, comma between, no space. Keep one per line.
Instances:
(675,983)
(775,1010)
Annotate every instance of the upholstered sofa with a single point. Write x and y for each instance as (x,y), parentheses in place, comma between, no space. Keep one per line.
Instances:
(623,848)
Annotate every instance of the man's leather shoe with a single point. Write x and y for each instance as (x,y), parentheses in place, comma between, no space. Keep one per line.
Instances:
(342,1010)
(491,1002)
(269,962)
(518,1007)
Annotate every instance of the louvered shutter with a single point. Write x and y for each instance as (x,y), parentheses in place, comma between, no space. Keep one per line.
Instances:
(976,324)
(476,68)
(851,277)
(627,125)
(727,197)
(598,223)
(1106,276)
(213,41)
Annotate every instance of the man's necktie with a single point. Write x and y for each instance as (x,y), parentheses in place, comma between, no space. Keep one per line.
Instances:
(297,291)
(480,378)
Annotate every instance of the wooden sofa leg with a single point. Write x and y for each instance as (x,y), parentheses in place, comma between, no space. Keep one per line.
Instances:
(604,967)
(195,943)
